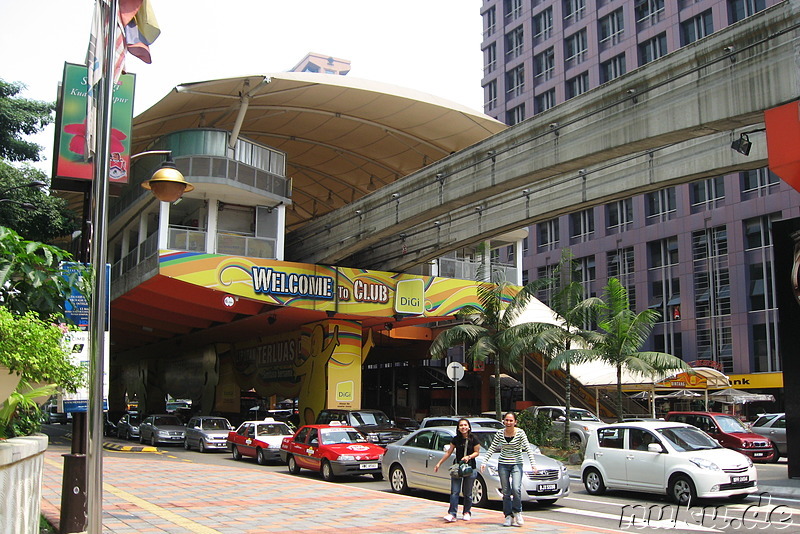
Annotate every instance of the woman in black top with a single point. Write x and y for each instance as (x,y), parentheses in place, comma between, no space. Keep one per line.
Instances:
(467,448)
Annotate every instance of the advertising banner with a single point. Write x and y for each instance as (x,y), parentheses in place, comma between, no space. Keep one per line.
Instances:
(70,149)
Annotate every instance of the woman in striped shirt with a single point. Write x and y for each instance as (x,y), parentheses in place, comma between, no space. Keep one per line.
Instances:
(511,442)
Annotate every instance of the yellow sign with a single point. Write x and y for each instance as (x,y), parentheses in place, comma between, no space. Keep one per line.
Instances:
(410,297)
(757,381)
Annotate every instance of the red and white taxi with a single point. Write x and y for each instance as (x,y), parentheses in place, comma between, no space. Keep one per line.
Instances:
(334,450)
(258,439)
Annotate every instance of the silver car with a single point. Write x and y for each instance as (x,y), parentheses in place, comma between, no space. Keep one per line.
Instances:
(773,426)
(162,428)
(408,464)
(128,426)
(206,433)
(452,420)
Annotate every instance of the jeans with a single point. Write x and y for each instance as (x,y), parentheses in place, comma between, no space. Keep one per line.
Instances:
(461,485)
(511,485)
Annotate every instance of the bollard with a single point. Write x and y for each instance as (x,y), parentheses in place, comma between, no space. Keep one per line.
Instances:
(73,484)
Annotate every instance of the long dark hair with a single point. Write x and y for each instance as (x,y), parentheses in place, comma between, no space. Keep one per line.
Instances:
(469,432)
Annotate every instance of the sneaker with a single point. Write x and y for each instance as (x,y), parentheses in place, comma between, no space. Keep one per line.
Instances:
(449,518)
(518,519)
(467,516)
(508,521)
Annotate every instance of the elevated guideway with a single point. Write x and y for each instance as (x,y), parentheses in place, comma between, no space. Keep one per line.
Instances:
(669,122)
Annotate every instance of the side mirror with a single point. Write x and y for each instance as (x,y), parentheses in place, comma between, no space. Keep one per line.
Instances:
(445,448)
(561,418)
(654,447)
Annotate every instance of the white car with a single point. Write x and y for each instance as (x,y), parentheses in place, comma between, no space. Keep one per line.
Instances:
(581,422)
(663,457)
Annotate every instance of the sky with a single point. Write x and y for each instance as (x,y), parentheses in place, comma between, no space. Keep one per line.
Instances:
(431,46)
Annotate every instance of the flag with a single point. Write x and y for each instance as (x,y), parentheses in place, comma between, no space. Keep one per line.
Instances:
(141,31)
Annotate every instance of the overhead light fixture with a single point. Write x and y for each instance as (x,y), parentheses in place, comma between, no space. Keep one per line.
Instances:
(742,145)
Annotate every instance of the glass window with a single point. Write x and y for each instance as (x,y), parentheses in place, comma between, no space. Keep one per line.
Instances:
(515,43)
(574,10)
(548,234)
(611,438)
(578,85)
(697,27)
(663,252)
(648,12)
(611,29)
(705,194)
(490,94)
(741,9)
(575,48)
(515,115)
(545,101)
(759,181)
(490,21)
(543,25)
(660,204)
(544,65)
(512,9)
(515,81)
(581,225)
(490,58)
(652,49)
(613,68)
(620,214)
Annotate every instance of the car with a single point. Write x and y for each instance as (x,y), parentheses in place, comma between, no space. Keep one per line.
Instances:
(408,464)
(407,423)
(452,420)
(128,426)
(53,416)
(207,433)
(665,457)
(729,431)
(373,424)
(109,428)
(333,450)
(581,422)
(161,428)
(773,426)
(258,439)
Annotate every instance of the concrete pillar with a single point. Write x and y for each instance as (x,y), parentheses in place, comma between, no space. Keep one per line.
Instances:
(211,230)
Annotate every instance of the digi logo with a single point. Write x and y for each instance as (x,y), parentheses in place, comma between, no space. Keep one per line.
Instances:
(409,297)
(345,391)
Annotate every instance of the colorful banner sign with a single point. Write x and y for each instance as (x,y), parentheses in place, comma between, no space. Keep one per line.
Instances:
(70,149)
(322,287)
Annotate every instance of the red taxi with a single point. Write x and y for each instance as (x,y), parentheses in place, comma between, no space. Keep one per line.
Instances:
(258,439)
(333,450)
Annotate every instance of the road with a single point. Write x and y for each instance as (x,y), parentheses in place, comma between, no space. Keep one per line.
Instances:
(621,511)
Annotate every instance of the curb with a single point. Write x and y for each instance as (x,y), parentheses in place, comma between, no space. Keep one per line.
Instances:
(128,448)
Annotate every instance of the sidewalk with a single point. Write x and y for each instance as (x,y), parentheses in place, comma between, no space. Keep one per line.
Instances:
(185,497)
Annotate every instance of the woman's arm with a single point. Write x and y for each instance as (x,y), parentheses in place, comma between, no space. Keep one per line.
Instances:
(447,454)
(526,446)
(476,451)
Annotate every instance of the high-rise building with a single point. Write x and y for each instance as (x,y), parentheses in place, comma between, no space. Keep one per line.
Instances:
(700,253)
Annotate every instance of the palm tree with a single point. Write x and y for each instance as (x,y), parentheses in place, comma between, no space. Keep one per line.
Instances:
(566,340)
(623,332)
(488,330)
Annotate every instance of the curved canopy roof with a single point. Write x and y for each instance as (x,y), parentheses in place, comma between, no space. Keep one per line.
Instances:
(344,137)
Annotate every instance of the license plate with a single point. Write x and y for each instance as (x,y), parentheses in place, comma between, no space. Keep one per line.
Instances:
(368,466)
(546,487)
(740,479)
(758,454)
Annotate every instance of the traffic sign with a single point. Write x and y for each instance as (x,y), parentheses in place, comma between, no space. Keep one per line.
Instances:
(455,371)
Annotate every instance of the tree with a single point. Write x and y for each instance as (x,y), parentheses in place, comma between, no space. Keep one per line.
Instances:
(566,340)
(623,332)
(18,117)
(50,218)
(489,331)
(31,277)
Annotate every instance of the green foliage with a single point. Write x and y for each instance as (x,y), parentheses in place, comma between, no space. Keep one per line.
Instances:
(51,218)
(30,276)
(19,117)
(20,415)
(37,350)
(537,427)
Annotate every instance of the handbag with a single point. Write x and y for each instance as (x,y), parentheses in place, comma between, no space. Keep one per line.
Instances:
(461,469)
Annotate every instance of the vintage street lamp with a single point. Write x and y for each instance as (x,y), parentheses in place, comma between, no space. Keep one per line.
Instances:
(168,183)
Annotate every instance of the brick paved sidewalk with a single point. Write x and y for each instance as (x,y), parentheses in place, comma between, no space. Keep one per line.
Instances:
(178,497)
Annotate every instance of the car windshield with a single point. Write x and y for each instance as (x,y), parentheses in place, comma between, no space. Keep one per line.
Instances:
(161,421)
(215,424)
(368,418)
(731,425)
(688,439)
(273,429)
(134,419)
(489,424)
(764,419)
(343,435)
(582,415)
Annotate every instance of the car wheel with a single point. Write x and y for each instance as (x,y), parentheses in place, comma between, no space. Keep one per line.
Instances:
(261,457)
(397,480)
(235,453)
(575,441)
(776,454)
(153,440)
(593,482)
(141,438)
(681,490)
(293,467)
(377,476)
(480,497)
(546,502)
(201,446)
(327,471)
(186,444)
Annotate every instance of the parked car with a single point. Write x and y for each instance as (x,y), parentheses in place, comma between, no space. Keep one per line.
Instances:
(581,422)
(452,420)
(207,433)
(52,415)
(407,423)
(333,450)
(665,457)
(373,424)
(161,428)
(729,431)
(408,464)
(258,439)
(128,426)
(773,426)
(109,428)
